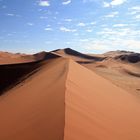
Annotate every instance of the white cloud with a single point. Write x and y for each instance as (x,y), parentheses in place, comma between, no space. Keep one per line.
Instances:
(68,43)
(81,24)
(134,10)
(43,17)
(132,44)
(106,4)
(84,40)
(48,29)
(92,23)
(107,45)
(118,32)
(84,1)
(68,20)
(10,15)
(137,17)
(111,15)
(66,2)
(99,45)
(120,25)
(64,29)
(120,38)
(117,2)
(44,3)
(30,24)
(89,30)
(113,3)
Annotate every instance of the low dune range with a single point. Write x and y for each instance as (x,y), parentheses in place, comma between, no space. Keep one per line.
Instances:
(67,95)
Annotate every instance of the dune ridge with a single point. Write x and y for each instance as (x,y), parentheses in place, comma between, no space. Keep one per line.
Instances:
(66,101)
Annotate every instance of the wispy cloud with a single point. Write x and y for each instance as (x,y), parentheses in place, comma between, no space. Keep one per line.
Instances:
(134,10)
(43,17)
(9,14)
(85,1)
(92,23)
(64,29)
(44,3)
(103,45)
(137,17)
(113,3)
(117,2)
(68,20)
(66,2)
(106,4)
(111,15)
(12,15)
(89,30)
(48,29)
(81,24)
(30,24)
(120,25)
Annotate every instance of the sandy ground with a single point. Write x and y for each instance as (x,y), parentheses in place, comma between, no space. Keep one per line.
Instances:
(10,58)
(60,99)
(123,74)
(98,110)
(35,109)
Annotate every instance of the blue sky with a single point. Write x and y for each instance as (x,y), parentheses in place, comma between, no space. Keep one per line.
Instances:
(91,26)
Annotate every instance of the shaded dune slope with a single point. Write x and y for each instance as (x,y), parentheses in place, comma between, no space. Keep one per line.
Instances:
(131,58)
(77,56)
(124,56)
(12,74)
(55,104)
(46,55)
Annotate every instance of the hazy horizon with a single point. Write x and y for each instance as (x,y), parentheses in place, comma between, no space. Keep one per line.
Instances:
(90,26)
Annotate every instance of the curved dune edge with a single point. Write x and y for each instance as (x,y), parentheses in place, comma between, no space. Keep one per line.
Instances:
(66,101)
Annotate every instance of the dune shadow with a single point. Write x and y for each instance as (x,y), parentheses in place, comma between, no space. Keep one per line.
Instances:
(12,74)
(81,55)
(132,58)
(85,62)
(132,73)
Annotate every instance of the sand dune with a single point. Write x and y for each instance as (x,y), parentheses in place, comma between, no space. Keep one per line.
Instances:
(98,110)
(66,101)
(10,58)
(34,110)
(77,56)
(66,95)
(122,68)
(14,73)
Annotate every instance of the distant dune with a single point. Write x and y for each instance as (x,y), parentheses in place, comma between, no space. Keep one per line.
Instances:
(68,95)
(10,58)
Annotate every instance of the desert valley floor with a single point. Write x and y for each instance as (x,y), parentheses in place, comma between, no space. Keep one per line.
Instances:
(67,95)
